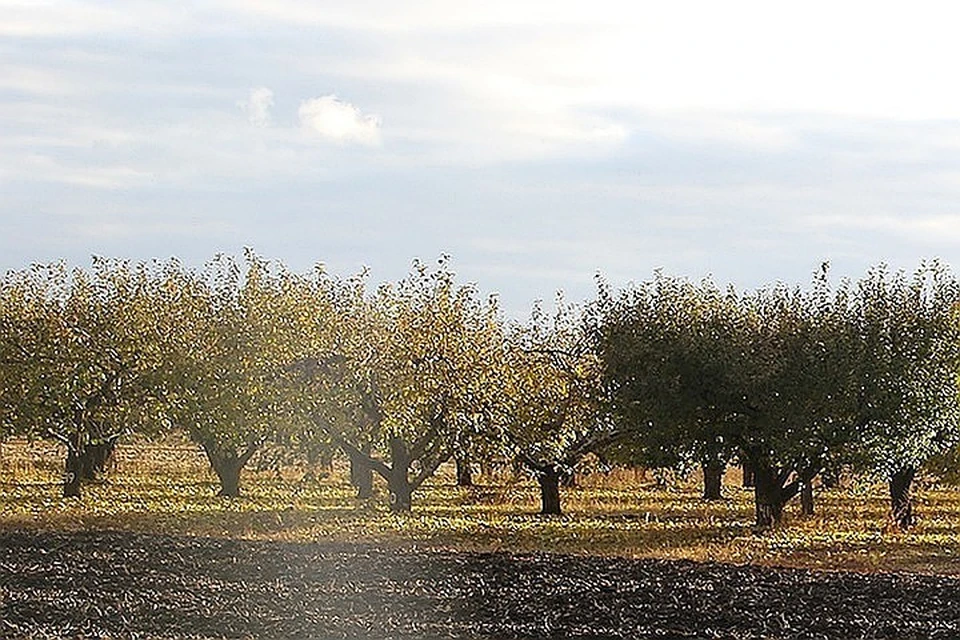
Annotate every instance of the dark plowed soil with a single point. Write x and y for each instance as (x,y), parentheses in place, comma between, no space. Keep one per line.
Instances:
(124,585)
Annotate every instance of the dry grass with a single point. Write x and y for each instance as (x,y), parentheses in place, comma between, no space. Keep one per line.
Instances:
(168,488)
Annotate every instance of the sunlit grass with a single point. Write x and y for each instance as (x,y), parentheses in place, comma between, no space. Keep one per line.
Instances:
(170,490)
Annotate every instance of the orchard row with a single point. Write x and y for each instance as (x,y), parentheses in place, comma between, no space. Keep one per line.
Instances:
(246,355)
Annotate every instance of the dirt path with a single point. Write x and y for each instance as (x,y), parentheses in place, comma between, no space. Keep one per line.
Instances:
(129,585)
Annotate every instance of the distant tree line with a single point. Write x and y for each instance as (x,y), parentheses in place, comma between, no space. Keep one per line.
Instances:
(791,383)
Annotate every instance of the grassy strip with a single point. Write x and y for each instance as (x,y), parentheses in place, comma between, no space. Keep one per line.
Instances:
(619,515)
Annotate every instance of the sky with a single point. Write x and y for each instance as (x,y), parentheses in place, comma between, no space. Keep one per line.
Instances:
(537,143)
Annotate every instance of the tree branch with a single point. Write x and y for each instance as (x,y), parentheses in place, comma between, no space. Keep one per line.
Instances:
(589,444)
(252,447)
(429,468)
(352,451)
(529,461)
(804,477)
(421,444)
(63,440)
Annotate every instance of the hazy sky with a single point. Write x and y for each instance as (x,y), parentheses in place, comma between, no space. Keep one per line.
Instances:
(536,142)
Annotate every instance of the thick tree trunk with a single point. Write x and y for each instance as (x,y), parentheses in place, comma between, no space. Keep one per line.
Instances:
(73,474)
(549,492)
(227,469)
(401,492)
(901,506)
(361,475)
(464,472)
(713,479)
(749,479)
(806,498)
(768,496)
(226,462)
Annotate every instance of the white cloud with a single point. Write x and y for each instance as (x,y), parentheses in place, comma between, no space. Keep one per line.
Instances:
(853,58)
(339,121)
(257,106)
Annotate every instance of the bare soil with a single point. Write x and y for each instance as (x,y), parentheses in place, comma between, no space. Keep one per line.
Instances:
(123,585)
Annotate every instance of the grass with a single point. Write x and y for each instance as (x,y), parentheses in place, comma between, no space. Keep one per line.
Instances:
(168,488)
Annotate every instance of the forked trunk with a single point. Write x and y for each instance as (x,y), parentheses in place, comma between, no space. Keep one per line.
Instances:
(549,492)
(227,463)
(713,479)
(901,506)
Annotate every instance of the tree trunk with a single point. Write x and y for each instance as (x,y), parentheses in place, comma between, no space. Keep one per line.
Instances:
(464,472)
(361,475)
(319,464)
(806,498)
(226,462)
(900,503)
(401,492)
(94,458)
(768,496)
(749,479)
(549,492)
(227,469)
(713,479)
(73,474)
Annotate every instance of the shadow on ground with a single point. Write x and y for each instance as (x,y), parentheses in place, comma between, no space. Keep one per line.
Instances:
(97,584)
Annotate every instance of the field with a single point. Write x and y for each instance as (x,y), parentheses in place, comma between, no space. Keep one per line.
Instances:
(122,585)
(152,552)
(167,488)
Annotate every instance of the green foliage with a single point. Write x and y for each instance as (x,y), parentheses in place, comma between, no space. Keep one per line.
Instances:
(792,380)
(407,378)
(78,350)
(242,353)
(673,355)
(909,363)
(551,403)
(235,329)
